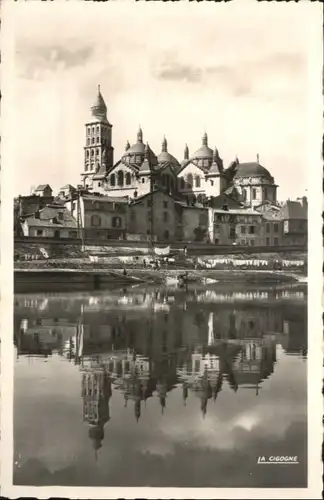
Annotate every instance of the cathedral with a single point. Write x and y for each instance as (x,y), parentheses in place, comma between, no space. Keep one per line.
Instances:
(196,178)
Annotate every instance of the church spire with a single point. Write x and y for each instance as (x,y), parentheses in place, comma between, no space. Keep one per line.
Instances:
(164,145)
(205,139)
(186,152)
(140,135)
(99,108)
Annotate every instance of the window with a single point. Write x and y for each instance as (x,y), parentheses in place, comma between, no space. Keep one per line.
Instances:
(39,232)
(182,183)
(128,179)
(197,181)
(98,152)
(86,167)
(87,153)
(116,222)
(98,139)
(216,241)
(189,181)
(120,177)
(243,229)
(88,142)
(60,216)
(113,180)
(275,228)
(95,220)
(254,193)
(92,140)
(165,204)
(143,180)
(267,241)
(251,230)
(73,234)
(232,232)
(276,241)
(268,227)
(99,184)
(244,193)
(165,216)
(88,130)
(211,183)
(219,218)
(98,129)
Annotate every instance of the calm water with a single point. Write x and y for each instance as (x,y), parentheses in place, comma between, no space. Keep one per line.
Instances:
(161,387)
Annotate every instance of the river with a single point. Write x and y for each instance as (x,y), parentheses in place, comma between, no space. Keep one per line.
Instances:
(161,387)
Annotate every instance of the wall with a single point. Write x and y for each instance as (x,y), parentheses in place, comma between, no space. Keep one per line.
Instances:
(49,232)
(194,171)
(273,232)
(194,224)
(164,216)
(226,228)
(263,192)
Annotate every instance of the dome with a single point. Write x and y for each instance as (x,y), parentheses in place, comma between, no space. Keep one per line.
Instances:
(99,108)
(252,169)
(135,154)
(165,157)
(203,152)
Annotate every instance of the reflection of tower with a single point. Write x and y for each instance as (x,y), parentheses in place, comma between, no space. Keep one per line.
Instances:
(205,392)
(96,393)
(161,388)
(211,338)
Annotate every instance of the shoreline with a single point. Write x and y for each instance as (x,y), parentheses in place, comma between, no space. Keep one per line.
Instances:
(43,280)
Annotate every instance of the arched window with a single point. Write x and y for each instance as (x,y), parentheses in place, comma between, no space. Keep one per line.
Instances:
(120,177)
(93,130)
(197,181)
(87,153)
(92,140)
(128,179)
(113,180)
(92,152)
(98,151)
(95,220)
(98,129)
(182,183)
(189,180)
(116,222)
(98,139)
(88,130)
(88,141)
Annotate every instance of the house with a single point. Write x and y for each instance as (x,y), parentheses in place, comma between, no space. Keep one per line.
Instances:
(192,223)
(295,223)
(53,221)
(153,217)
(67,191)
(43,190)
(273,223)
(236,226)
(100,217)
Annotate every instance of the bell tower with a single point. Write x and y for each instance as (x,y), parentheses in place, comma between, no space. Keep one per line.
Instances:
(98,150)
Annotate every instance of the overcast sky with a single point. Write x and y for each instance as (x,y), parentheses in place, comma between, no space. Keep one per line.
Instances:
(238,71)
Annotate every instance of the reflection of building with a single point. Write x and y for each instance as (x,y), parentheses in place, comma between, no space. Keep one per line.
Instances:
(96,393)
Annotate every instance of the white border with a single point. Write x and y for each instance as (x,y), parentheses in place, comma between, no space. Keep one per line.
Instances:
(315,327)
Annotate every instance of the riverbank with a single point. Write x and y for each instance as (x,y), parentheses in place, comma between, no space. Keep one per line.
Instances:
(42,280)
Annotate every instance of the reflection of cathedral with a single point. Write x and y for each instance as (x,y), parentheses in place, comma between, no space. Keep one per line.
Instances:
(146,353)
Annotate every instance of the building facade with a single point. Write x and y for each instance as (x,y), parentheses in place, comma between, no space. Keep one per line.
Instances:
(51,222)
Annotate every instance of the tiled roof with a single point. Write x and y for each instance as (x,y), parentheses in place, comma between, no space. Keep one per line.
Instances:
(50,213)
(41,187)
(294,210)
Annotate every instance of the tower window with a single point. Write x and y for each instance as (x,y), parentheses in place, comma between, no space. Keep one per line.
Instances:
(92,140)
(98,139)
(98,130)
(86,167)
(113,180)
(92,152)
(128,179)
(93,131)
(120,177)
(88,141)
(88,130)
(197,180)
(87,153)
(98,151)
(254,193)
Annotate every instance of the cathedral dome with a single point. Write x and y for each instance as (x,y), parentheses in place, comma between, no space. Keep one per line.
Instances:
(204,152)
(252,169)
(135,153)
(167,157)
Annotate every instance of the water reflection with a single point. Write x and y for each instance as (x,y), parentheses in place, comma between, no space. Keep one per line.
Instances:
(144,344)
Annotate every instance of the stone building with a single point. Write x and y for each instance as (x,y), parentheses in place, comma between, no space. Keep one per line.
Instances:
(195,178)
(236,226)
(99,217)
(51,222)
(295,223)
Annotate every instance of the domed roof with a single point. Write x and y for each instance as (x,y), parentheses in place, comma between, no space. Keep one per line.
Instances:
(99,108)
(167,157)
(137,148)
(204,151)
(251,169)
(137,151)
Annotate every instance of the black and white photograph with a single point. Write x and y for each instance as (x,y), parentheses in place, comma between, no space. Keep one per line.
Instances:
(162,308)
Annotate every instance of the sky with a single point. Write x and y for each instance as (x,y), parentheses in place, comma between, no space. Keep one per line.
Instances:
(238,71)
